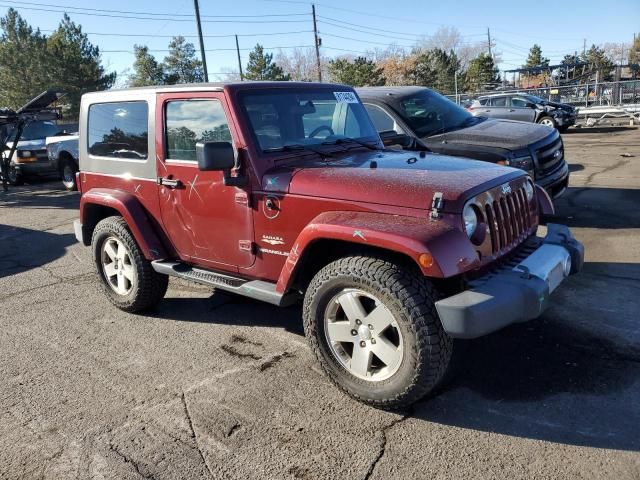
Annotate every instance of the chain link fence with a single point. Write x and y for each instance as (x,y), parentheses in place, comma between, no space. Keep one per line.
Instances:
(595,94)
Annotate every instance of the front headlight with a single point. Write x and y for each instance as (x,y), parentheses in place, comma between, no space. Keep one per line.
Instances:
(24,153)
(470,218)
(523,163)
(528,189)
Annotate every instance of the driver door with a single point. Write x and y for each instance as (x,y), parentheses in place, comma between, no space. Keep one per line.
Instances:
(208,223)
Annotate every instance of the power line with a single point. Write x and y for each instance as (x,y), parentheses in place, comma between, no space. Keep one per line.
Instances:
(368,28)
(211,49)
(130,17)
(231,35)
(104,10)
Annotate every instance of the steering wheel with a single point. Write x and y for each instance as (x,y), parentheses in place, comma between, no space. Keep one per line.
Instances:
(319,129)
(431,117)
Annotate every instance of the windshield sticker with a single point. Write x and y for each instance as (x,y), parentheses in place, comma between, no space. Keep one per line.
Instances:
(345,97)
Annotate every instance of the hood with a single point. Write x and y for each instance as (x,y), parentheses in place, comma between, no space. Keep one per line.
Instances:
(504,134)
(561,106)
(403,179)
(29,144)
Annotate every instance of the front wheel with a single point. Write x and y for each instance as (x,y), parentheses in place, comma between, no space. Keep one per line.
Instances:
(547,121)
(374,329)
(15,178)
(68,171)
(126,277)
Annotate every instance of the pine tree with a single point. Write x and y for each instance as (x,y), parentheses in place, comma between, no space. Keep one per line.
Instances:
(181,64)
(147,71)
(482,73)
(597,61)
(535,58)
(362,72)
(262,67)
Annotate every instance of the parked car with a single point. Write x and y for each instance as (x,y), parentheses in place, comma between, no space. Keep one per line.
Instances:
(30,158)
(282,191)
(525,108)
(63,155)
(419,118)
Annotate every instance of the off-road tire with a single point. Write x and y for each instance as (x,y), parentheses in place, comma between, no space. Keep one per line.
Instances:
(13,177)
(410,298)
(150,287)
(546,118)
(65,161)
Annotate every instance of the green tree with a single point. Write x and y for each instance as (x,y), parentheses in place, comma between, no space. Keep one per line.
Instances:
(634,50)
(23,61)
(423,72)
(362,72)
(31,62)
(146,70)
(567,69)
(482,73)
(181,64)
(597,61)
(262,67)
(74,63)
(535,58)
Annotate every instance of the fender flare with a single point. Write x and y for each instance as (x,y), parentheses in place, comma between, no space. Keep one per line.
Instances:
(450,248)
(133,212)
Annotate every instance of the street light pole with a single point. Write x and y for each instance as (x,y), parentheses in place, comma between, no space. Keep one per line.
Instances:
(204,58)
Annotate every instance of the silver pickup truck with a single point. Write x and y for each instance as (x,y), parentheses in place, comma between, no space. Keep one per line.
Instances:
(63,156)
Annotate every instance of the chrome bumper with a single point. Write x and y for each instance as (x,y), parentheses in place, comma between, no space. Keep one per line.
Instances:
(515,293)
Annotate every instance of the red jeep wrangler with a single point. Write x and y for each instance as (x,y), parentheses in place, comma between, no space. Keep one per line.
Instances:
(283,191)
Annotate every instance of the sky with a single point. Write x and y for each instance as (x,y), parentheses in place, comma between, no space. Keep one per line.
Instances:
(346,27)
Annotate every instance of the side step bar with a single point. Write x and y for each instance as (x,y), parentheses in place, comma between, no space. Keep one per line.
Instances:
(257,289)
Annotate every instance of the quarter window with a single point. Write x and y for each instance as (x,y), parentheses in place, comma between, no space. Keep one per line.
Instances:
(119,130)
(519,102)
(191,121)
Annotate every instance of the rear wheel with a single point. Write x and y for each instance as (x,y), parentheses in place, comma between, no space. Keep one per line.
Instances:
(126,277)
(374,329)
(547,121)
(68,171)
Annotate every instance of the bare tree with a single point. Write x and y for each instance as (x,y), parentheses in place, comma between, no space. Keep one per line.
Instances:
(450,38)
(300,64)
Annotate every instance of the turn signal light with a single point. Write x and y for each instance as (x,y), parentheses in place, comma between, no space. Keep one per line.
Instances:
(425,260)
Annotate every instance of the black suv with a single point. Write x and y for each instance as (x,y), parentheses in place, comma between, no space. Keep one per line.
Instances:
(526,108)
(420,119)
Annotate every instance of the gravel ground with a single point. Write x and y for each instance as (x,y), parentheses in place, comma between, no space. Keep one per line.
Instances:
(215,386)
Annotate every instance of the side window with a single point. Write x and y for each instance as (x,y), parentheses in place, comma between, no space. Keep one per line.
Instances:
(381,119)
(118,130)
(484,101)
(188,122)
(518,102)
(499,102)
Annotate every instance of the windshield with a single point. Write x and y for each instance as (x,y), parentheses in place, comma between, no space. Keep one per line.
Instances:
(429,113)
(36,131)
(534,99)
(281,120)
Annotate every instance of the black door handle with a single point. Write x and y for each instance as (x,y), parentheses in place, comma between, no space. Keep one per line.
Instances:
(169,182)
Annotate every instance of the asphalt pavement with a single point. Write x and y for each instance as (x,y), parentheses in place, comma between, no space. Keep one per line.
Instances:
(210,385)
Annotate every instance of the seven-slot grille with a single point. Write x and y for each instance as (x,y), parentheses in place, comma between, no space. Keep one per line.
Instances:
(548,158)
(508,218)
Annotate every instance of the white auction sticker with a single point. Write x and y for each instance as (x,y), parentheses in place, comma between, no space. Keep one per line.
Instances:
(345,97)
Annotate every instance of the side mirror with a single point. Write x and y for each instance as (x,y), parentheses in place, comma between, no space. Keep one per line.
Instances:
(391,137)
(213,156)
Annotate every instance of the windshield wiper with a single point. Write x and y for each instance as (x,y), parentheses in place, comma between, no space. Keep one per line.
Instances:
(342,141)
(298,147)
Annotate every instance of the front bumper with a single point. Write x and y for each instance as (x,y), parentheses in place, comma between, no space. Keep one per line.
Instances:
(556,182)
(518,291)
(565,120)
(34,168)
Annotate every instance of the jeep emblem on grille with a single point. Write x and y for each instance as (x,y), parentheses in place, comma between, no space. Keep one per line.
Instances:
(506,188)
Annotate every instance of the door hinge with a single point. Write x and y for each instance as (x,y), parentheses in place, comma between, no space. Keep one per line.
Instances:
(246,245)
(437,203)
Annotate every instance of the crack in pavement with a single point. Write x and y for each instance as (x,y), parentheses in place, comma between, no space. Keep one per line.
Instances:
(383,444)
(193,433)
(618,164)
(130,461)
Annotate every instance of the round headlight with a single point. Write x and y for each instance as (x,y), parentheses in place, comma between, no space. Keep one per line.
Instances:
(24,153)
(528,189)
(470,219)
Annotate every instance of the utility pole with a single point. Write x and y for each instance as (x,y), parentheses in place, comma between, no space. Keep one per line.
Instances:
(489,41)
(204,58)
(317,41)
(584,47)
(239,61)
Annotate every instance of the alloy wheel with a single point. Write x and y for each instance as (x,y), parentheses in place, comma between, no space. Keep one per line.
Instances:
(117,266)
(363,335)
